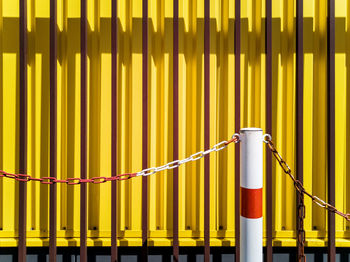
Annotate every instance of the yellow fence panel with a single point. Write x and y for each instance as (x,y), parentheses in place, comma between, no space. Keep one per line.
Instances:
(191,117)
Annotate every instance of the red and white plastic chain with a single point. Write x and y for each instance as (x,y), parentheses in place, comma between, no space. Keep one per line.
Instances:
(145,172)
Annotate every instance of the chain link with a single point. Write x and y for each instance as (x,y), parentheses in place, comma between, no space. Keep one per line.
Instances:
(299,186)
(194,157)
(301,192)
(146,172)
(191,158)
(301,231)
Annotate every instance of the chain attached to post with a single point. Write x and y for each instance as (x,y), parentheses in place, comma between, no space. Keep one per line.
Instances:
(146,172)
(301,192)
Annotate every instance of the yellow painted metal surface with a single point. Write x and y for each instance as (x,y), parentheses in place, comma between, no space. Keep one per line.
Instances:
(191,116)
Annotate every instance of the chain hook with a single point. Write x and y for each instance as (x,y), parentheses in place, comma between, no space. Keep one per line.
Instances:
(267,138)
(237,136)
(347,217)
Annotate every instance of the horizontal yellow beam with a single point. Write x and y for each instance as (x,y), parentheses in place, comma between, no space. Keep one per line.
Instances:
(135,242)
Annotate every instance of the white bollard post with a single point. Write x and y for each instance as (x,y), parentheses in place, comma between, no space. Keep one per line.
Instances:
(251,159)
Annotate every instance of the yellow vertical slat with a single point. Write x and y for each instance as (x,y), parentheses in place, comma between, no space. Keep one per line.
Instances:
(123,107)
(197,107)
(1,113)
(72,155)
(61,115)
(94,117)
(10,86)
(42,81)
(105,115)
(33,155)
(308,109)
(320,113)
(347,125)
(213,64)
(340,116)
(216,56)
(228,67)
(167,35)
(277,112)
(183,27)
(135,124)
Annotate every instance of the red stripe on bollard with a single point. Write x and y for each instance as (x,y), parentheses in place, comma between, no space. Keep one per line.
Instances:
(251,202)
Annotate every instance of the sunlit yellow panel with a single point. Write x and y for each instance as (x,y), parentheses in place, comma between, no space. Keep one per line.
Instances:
(160,117)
